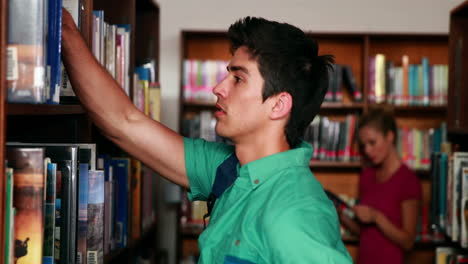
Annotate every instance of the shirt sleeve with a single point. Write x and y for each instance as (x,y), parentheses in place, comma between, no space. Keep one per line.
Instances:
(202,158)
(411,188)
(306,236)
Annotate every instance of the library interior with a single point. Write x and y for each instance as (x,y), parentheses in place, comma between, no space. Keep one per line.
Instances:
(172,167)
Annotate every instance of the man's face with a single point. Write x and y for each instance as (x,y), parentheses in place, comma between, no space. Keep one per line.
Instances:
(241,113)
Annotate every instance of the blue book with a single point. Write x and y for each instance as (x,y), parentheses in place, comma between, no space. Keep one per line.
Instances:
(83,175)
(121,174)
(54,38)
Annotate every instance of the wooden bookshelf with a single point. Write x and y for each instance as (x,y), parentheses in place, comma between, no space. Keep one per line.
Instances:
(3,36)
(69,123)
(458,79)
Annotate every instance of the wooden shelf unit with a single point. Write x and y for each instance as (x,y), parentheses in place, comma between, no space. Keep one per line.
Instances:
(69,123)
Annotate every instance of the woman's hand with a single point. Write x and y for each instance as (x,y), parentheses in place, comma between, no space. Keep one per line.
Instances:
(366,214)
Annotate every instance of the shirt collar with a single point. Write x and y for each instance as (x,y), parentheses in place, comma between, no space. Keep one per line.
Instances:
(261,170)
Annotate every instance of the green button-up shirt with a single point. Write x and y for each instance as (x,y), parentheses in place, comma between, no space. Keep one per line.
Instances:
(275,212)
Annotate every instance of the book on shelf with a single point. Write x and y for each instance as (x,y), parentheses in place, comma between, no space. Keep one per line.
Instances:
(200,77)
(83,190)
(121,174)
(332,140)
(49,211)
(28,200)
(407,84)
(66,157)
(54,39)
(136,193)
(67,95)
(95,232)
(463,209)
(9,216)
(26,59)
(351,83)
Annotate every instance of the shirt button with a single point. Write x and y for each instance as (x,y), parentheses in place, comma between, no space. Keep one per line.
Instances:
(237,242)
(256,181)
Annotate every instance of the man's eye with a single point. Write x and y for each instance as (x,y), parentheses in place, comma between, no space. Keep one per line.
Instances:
(237,79)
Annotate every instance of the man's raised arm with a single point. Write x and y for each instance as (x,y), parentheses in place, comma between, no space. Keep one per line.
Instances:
(112,111)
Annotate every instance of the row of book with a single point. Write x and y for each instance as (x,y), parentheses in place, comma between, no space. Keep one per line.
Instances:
(201,125)
(200,77)
(416,145)
(337,141)
(450,255)
(449,206)
(35,73)
(64,204)
(147,92)
(333,140)
(33,50)
(111,47)
(342,75)
(407,84)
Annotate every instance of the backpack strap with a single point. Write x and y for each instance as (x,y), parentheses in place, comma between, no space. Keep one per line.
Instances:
(226,174)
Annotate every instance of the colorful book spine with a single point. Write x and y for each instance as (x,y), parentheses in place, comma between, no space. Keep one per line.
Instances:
(82,213)
(49,210)
(28,167)
(95,235)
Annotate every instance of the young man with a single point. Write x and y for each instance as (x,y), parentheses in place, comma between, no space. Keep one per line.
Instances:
(275,211)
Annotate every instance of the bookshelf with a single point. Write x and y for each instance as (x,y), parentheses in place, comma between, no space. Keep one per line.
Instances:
(353,49)
(458,82)
(3,35)
(69,123)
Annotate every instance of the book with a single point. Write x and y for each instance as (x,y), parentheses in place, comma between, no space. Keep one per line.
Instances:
(121,173)
(83,180)
(26,51)
(54,39)
(67,95)
(28,173)
(103,163)
(95,234)
(351,83)
(135,199)
(9,217)
(464,209)
(49,210)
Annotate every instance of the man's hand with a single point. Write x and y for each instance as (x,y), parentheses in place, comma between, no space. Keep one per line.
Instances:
(68,24)
(366,214)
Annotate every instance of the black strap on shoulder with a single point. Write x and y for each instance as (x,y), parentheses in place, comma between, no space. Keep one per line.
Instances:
(226,174)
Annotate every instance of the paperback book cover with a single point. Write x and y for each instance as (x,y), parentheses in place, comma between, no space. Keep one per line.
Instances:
(83,190)
(95,235)
(28,199)
(26,51)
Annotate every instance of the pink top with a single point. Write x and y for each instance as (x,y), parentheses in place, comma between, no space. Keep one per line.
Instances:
(387,197)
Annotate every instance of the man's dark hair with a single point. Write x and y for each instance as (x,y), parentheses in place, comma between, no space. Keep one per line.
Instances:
(288,62)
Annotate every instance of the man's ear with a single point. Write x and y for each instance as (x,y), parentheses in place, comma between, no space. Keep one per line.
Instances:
(282,105)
